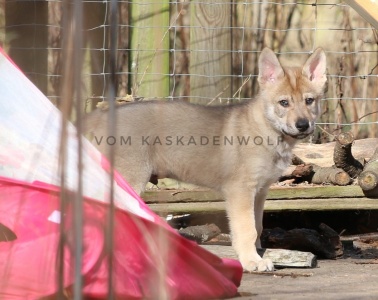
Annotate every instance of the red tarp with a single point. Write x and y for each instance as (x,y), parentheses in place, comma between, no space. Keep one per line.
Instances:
(150,259)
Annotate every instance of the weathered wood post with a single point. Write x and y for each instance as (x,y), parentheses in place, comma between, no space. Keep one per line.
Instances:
(150,48)
(367,9)
(210,45)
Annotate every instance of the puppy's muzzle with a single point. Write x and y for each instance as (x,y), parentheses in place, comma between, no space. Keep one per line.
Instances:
(302,125)
(303,128)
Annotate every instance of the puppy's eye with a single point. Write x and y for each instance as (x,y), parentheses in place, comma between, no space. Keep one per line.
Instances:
(309,100)
(284,103)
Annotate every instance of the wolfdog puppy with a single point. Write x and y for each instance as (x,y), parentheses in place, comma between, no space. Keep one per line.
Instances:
(239,150)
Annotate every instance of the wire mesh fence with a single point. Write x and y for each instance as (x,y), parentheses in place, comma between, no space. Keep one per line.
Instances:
(204,51)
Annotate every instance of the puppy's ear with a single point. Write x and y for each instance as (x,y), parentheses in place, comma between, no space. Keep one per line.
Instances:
(270,69)
(315,67)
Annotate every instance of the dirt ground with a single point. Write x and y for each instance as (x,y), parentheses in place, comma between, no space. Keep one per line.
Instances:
(355,276)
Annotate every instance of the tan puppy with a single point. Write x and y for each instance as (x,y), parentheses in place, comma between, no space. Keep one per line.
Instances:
(239,150)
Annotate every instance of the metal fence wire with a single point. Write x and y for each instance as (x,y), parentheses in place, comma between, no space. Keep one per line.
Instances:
(202,51)
(205,51)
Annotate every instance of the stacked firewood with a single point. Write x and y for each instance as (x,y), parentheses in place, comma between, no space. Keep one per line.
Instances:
(345,170)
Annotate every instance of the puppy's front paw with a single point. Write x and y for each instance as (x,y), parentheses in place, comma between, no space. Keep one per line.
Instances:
(265,265)
(262,265)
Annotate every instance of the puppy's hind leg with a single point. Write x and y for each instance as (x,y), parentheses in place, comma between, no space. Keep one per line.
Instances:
(240,204)
(136,172)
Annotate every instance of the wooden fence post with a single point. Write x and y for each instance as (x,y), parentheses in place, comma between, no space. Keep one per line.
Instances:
(367,9)
(210,45)
(94,16)
(150,48)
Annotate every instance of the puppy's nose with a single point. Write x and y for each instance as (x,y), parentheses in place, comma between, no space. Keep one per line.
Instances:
(302,125)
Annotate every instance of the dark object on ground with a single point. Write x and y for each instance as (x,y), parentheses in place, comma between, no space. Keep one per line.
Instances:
(325,244)
(154,179)
(178,221)
(200,233)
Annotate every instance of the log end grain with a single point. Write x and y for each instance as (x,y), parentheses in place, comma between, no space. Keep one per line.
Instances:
(368,180)
(341,178)
(345,138)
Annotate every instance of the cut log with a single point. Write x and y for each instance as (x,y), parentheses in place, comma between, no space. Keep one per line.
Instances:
(330,175)
(297,171)
(322,154)
(342,155)
(316,174)
(368,179)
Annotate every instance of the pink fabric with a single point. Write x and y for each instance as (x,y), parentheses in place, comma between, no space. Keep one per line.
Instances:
(28,264)
(149,256)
